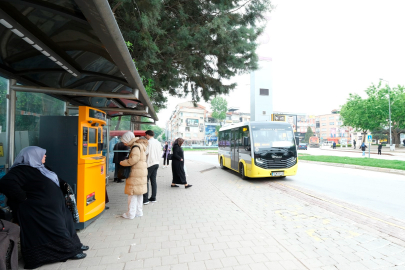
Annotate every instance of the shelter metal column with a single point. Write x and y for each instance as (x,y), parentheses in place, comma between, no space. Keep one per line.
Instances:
(107,177)
(12,98)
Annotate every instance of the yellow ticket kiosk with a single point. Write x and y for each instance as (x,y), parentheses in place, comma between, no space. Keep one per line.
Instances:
(74,147)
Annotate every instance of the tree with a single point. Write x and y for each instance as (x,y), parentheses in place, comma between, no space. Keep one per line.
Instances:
(372,113)
(309,134)
(191,45)
(219,107)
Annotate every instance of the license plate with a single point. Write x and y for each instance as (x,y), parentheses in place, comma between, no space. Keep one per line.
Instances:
(277,174)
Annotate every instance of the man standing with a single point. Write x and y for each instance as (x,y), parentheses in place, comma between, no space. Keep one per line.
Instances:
(354,144)
(152,160)
(404,142)
(379,148)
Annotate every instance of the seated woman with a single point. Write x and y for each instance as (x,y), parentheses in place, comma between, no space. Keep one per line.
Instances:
(48,233)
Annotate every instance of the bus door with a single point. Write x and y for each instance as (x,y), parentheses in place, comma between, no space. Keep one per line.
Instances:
(234,149)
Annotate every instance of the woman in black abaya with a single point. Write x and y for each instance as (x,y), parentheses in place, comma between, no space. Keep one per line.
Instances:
(179,176)
(48,233)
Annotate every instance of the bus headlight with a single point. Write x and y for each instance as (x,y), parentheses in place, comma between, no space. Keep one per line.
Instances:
(259,160)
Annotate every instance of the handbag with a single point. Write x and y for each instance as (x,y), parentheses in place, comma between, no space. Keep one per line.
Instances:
(71,202)
(125,171)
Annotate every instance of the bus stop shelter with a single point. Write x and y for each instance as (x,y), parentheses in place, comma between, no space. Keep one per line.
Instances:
(56,55)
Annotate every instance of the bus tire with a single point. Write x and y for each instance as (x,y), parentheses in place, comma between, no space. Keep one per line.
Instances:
(242,171)
(221,164)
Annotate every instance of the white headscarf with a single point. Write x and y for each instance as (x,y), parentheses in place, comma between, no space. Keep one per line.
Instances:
(127,137)
(32,156)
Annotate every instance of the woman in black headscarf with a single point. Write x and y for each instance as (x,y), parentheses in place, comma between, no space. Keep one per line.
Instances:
(48,233)
(179,175)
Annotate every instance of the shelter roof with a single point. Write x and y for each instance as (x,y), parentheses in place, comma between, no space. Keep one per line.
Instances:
(75,46)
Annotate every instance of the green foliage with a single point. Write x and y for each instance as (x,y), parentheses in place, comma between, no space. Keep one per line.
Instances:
(158,130)
(3,104)
(372,113)
(191,47)
(309,134)
(219,107)
(164,137)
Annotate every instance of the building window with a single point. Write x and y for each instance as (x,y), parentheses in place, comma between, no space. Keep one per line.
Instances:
(323,124)
(331,123)
(181,114)
(188,129)
(324,129)
(331,118)
(317,129)
(339,123)
(264,92)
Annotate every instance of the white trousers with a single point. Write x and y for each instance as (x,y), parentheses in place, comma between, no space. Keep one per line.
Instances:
(135,203)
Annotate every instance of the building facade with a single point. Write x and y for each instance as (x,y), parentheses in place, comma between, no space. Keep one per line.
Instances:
(331,128)
(188,122)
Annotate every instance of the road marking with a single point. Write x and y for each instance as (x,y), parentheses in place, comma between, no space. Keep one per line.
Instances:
(342,206)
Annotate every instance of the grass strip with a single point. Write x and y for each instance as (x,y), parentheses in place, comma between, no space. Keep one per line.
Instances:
(371,162)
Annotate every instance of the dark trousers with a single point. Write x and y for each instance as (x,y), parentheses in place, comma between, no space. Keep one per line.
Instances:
(379,151)
(117,167)
(165,161)
(152,172)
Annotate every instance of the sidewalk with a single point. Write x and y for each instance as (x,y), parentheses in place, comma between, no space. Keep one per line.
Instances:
(223,222)
(374,150)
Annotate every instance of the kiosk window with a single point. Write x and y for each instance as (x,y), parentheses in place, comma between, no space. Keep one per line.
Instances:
(92,135)
(85,137)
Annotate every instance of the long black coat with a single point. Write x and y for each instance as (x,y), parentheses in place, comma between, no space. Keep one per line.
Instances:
(120,156)
(179,176)
(48,233)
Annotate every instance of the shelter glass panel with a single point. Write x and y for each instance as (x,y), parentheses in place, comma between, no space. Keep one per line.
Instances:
(29,109)
(3,126)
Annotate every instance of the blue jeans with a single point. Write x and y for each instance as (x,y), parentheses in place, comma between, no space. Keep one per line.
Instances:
(364,153)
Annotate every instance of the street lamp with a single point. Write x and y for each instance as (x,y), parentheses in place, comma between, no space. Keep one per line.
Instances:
(389,110)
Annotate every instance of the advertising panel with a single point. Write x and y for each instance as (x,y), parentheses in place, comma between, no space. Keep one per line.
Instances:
(192,122)
(333,132)
(210,130)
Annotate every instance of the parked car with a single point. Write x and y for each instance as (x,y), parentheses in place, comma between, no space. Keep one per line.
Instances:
(302,146)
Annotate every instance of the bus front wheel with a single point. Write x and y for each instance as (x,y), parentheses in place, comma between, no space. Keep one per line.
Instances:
(221,163)
(242,172)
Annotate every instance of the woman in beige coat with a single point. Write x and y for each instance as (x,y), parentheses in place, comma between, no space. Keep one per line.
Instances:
(136,184)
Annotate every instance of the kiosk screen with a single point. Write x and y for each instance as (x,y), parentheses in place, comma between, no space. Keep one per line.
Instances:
(92,135)
(97,114)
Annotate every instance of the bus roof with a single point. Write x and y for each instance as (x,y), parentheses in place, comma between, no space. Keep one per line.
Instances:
(231,126)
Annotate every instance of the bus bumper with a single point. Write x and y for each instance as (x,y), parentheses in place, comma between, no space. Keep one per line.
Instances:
(258,172)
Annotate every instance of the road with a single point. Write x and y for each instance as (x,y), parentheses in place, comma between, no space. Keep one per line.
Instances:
(379,192)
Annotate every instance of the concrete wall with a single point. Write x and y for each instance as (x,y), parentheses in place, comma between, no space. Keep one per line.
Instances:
(261,107)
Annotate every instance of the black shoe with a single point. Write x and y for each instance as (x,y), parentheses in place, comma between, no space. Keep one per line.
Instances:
(84,247)
(120,181)
(107,207)
(115,179)
(152,200)
(79,256)
(189,186)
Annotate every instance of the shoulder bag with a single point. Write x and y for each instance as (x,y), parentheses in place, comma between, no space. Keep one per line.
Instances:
(124,171)
(71,201)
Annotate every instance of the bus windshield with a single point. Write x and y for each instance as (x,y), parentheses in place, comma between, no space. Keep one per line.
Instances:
(266,137)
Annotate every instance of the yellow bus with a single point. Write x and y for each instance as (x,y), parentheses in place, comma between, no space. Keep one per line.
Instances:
(258,149)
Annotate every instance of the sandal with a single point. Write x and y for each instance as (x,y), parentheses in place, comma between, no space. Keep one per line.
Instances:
(174,186)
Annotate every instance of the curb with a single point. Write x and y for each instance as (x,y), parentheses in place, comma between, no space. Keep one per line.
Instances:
(367,168)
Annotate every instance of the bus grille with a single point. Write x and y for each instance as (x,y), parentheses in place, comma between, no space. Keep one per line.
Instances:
(277,164)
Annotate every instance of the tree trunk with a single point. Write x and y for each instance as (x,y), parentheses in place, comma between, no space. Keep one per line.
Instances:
(118,123)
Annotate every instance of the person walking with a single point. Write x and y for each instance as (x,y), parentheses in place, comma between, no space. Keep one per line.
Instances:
(135,185)
(404,142)
(334,145)
(118,157)
(379,148)
(363,148)
(152,161)
(354,144)
(179,175)
(166,151)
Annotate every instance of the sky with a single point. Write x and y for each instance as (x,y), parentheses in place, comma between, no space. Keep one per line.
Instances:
(321,52)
